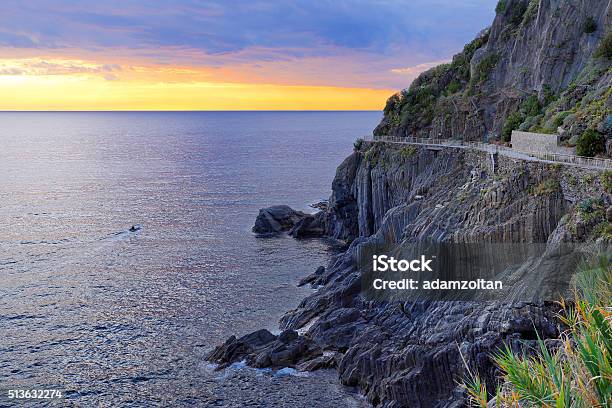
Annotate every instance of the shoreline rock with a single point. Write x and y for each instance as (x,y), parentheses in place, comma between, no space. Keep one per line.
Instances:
(276,219)
(263,349)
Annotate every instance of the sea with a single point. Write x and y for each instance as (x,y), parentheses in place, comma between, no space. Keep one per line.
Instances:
(110,315)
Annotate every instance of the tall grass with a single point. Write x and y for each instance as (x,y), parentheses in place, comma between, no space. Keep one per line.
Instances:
(577,373)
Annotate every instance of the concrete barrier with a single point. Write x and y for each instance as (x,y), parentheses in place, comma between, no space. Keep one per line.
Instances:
(528,142)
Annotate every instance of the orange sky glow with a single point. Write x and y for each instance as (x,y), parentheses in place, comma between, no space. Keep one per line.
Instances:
(219,55)
(73,84)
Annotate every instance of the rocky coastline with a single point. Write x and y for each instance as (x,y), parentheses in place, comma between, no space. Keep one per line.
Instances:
(414,353)
(536,68)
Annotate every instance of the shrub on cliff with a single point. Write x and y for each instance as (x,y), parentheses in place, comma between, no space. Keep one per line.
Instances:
(560,117)
(606,181)
(501,6)
(546,187)
(590,143)
(604,50)
(392,103)
(589,26)
(358,144)
(578,372)
(513,121)
(483,69)
(453,87)
(408,151)
(516,13)
(531,106)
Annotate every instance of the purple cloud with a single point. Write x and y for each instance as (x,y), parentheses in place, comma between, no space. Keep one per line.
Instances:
(386,34)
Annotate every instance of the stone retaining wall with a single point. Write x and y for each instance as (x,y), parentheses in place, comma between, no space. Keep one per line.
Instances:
(536,142)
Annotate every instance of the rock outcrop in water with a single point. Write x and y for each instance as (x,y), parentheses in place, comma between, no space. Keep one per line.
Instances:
(276,219)
(282,218)
(262,349)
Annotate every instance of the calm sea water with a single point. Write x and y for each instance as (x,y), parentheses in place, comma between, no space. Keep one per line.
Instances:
(114,317)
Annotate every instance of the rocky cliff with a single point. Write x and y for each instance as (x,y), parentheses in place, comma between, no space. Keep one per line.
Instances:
(542,66)
(411,354)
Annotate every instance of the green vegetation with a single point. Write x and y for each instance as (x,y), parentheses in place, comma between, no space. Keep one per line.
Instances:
(592,108)
(548,95)
(603,230)
(546,187)
(606,181)
(453,87)
(605,47)
(560,117)
(590,143)
(483,69)
(589,26)
(588,178)
(392,102)
(501,6)
(415,107)
(531,12)
(408,151)
(575,374)
(591,210)
(372,156)
(513,121)
(358,144)
(531,106)
(515,16)
(461,62)
(529,116)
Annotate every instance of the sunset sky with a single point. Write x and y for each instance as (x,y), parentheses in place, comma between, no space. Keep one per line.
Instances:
(224,55)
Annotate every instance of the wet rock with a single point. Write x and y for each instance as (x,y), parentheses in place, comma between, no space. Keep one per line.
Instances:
(276,219)
(288,336)
(308,226)
(313,278)
(262,349)
(328,360)
(321,205)
(234,350)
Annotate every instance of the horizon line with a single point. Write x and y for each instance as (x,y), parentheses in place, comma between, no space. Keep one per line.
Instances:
(183,110)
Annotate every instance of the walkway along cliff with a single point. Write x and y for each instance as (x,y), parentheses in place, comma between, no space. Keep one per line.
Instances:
(411,354)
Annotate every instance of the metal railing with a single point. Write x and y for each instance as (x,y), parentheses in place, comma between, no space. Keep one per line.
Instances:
(493,148)
(577,160)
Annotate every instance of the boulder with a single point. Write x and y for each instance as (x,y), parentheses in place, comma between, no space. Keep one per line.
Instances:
(313,278)
(262,349)
(309,226)
(276,219)
(234,349)
(327,360)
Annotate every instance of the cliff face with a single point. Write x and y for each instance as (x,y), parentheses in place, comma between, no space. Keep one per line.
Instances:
(540,66)
(455,195)
(407,353)
(414,353)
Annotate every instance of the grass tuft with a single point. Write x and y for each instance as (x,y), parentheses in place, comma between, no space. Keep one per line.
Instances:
(577,373)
